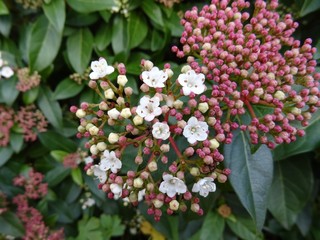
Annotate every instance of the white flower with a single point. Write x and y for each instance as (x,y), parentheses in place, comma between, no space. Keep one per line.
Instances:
(100,174)
(116,189)
(154,78)
(100,69)
(149,108)
(113,113)
(195,130)
(204,186)
(161,131)
(172,185)
(88,160)
(122,80)
(110,161)
(191,82)
(6,72)
(88,203)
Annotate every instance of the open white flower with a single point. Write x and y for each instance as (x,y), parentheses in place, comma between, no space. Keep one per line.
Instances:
(195,130)
(172,185)
(161,131)
(204,186)
(100,69)
(100,174)
(88,160)
(6,72)
(192,82)
(116,189)
(149,108)
(154,78)
(110,161)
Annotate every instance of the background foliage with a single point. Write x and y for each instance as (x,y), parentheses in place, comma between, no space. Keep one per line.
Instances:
(270,194)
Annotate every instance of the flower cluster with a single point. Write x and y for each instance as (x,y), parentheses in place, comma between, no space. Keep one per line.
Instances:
(27,81)
(169,130)
(72,160)
(32,219)
(169,3)
(5,71)
(261,77)
(30,4)
(6,123)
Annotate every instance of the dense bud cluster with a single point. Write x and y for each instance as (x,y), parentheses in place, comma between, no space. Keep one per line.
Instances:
(255,66)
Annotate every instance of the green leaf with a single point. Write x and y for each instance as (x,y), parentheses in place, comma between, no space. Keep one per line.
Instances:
(56,175)
(251,175)
(3,8)
(11,225)
(90,229)
(291,188)
(44,45)
(55,11)
(111,226)
(66,214)
(5,25)
(212,227)
(157,40)
(153,11)
(8,90)
(309,6)
(5,155)
(30,96)
(55,141)
(120,38)
(86,6)
(16,141)
(50,108)
(244,228)
(58,155)
(77,176)
(67,88)
(79,49)
(103,37)
(137,29)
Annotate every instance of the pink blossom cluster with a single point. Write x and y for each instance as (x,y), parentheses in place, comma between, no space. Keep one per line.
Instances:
(6,123)
(3,203)
(72,160)
(32,122)
(27,81)
(32,219)
(176,156)
(255,67)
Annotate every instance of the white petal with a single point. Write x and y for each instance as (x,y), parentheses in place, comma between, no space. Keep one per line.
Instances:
(94,75)
(195,188)
(6,72)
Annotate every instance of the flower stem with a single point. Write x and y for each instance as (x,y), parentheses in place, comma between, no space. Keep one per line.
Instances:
(253,115)
(176,149)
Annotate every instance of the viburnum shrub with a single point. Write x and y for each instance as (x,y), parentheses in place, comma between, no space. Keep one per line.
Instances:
(239,62)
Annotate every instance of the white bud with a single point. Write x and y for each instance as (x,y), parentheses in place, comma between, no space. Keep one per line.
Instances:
(214,144)
(152,166)
(195,171)
(93,130)
(178,104)
(80,113)
(148,65)
(109,94)
(165,148)
(174,205)
(81,129)
(212,121)
(296,111)
(125,113)
(157,203)
(120,100)
(169,72)
(258,92)
(138,182)
(280,95)
(101,146)
(113,113)
(137,120)
(185,68)
(94,150)
(133,197)
(237,15)
(203,107)
(113,138)
(122,80)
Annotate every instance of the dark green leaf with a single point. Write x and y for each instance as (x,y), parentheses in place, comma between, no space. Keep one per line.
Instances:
(153,11)
(111,226)
(90,229)
(66,89)
(106,15)
(11,225)
(55,11)
(3,8)
(66,214)
(82,19)
(50,107)
(5,25)
(119,35)
(291,188)
(137,29)
(212,227)
(16,141)
(5,155)
(244,228)
(157,40)
(251,175)
(8,90)
(77,176)
(55,141)
(58,155)
(103,37)
(45,42)
(86,6)
(30,96)
(79,48)
(309,6)
(56,175)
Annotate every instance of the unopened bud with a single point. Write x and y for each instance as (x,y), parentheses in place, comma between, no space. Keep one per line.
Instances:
(94,130)
(101,146)
(280,95)
(113,113)
(94,150)
(113,138)
(214,144)
(80,113)
(152,166)
(109,94)
(125,113)
(195,171)
(203,107)
(138,182)
(174,205)
(178,104)
(137,120)
(122,80)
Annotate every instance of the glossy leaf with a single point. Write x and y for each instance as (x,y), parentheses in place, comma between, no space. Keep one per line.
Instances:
(3,8)
(8,90)
(67,88)
(5,25)
(244,228)
(153,11)
(5,155)
(212,227)
(137,29)
(309,6)
(86,6)
(44,45)
(56,175)
(16,141)
(11,225)
(291,188)
(120,38)
(251,175)
(55,11)
(79,49)
(58,155)
(55,141)
(103,37)
(50,108)
(77,176)
(30,96)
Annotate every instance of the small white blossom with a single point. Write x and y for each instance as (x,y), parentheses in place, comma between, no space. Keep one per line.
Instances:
(88,203)
(113,138)
(88,160)
(122,80)
(100,69)
(204,186)
(100,174)
(113,113)
(126,113)
(109,93)
(195,130)
(161,131)
(110,161)
(116,189)
(154,78)
(6,72)
(192,82)
(149,108)
(172,185)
